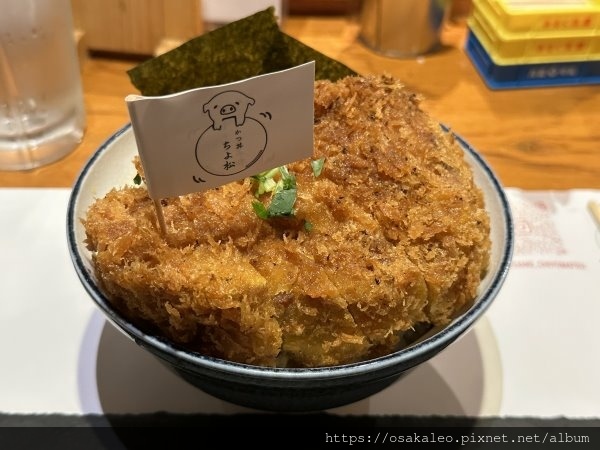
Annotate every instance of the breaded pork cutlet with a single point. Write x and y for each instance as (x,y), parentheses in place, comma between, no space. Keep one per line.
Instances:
(398,237)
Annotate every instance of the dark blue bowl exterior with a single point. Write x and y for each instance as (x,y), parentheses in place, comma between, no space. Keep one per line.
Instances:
(271,392)
(278,389)
(302,396)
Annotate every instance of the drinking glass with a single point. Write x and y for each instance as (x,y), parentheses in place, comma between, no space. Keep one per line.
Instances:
(42,114)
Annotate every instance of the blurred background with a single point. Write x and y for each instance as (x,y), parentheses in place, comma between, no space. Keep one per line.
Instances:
(151,27)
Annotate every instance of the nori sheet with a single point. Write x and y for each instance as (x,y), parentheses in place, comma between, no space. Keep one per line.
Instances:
(242,49)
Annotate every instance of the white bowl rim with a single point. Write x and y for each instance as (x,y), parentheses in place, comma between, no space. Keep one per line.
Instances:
(402,357)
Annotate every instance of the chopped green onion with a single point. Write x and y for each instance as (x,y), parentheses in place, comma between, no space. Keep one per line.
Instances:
(284,193)
(265,180)
(260,210)
(317,166)
(137,179)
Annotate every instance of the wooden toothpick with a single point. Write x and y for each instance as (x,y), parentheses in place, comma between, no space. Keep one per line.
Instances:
(161,217)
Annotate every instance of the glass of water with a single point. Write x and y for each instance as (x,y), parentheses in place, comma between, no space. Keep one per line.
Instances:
(42,114)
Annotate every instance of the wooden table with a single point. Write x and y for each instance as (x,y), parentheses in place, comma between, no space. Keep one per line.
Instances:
(533,138)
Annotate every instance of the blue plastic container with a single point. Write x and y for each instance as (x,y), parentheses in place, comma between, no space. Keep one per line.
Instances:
(497,76)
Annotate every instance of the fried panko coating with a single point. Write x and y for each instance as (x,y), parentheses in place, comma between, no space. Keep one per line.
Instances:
(399,237)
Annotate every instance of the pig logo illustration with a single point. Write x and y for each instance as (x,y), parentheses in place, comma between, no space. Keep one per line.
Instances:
(227,105)
(234,141)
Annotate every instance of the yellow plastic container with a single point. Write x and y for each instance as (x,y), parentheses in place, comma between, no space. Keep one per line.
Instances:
(494,23)
(543,16)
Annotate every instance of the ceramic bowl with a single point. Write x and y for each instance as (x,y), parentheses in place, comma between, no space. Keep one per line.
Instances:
(280,389)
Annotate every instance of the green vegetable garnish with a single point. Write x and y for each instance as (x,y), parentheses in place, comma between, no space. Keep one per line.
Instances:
(317,166)
(260,210)
(284,193)
(265,181)
(137,179)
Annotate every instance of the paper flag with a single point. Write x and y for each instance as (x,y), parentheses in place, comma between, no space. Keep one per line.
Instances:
(206,137)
